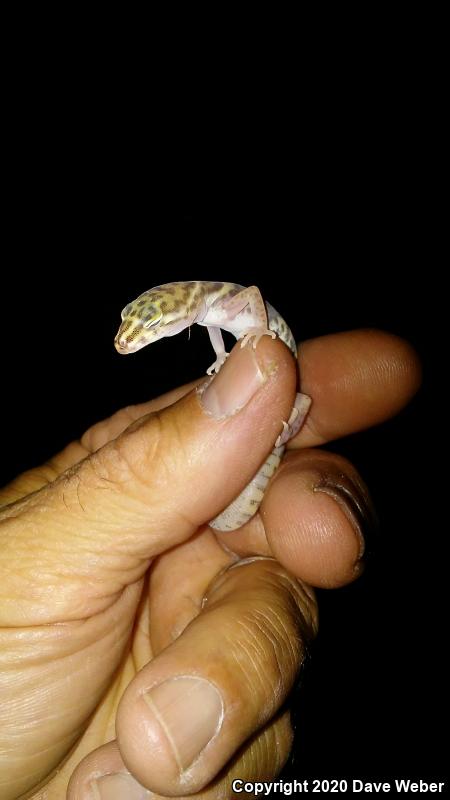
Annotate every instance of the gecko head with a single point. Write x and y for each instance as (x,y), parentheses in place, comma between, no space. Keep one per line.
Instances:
(141,324)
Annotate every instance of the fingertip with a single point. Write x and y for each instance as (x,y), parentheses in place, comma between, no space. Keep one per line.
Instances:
(387,360)
(401,366)
(356,379)
(317,516)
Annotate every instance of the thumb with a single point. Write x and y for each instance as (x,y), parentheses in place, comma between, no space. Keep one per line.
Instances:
(83,538)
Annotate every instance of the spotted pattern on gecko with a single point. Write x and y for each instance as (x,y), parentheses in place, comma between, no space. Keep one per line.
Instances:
(170,308)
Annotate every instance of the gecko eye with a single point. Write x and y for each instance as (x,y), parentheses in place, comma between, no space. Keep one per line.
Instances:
(150,323)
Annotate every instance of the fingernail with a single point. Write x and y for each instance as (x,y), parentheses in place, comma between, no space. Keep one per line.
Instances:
(236,383)
(354,500)
(119,787)
(190,712)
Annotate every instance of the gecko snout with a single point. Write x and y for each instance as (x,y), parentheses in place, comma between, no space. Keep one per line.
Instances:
(120,344)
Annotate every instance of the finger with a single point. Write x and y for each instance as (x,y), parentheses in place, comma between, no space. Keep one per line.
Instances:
(316,518)
(210,695)
(191,567)
(95,437)
(102,775)
(103,432)
(93,531)
(327,550)
(356,379)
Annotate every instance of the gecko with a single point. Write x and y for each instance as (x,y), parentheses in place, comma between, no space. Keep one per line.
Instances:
(172,307)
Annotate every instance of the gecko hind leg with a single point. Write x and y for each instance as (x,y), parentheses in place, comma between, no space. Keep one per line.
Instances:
(297,417)
(259,325)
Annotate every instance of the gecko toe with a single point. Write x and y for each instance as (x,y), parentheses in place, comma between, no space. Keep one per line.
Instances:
(256,334)
(284,436)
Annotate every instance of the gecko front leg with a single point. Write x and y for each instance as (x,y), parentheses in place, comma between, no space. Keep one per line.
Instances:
(251,296)
(215,335)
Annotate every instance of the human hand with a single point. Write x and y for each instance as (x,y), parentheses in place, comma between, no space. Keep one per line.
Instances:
(83,628)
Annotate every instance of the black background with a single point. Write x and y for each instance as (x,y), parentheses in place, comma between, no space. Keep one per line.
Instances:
(336,238)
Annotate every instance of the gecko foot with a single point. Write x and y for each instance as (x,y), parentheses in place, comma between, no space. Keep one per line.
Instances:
(256,334)
(219,362)
(296,419)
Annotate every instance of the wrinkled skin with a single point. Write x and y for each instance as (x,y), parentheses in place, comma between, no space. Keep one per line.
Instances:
(112,583)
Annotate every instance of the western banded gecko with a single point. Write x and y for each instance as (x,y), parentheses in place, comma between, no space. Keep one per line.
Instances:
(168,309)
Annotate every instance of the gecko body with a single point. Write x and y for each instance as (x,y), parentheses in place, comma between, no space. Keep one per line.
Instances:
(170,308)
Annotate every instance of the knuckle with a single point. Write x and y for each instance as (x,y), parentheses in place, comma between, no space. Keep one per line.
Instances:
(100,434)
(148,454)
(275,619)
(130,459)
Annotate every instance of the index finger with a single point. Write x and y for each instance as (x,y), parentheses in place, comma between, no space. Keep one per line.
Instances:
(356,379)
